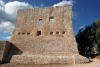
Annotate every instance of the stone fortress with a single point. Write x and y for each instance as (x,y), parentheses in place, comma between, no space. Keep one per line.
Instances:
(42,36)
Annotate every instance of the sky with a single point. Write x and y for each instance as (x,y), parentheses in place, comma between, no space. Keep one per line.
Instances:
(84,12)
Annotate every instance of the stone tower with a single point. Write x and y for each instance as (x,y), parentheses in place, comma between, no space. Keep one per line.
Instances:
(44,35)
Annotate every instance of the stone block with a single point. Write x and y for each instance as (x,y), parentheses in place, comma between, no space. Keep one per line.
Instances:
(80,59)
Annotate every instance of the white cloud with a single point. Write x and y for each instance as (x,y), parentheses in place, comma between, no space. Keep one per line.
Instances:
(6,38)
(6,32)
(12,7)
(8,13)
(6,27)
(82,27)
(64,3)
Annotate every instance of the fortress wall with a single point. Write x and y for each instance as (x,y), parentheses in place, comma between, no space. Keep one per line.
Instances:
(49,38)
(38,40)
(28,20)
(50,47)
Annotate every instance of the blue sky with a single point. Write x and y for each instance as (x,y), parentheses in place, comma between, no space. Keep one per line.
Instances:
(85,12)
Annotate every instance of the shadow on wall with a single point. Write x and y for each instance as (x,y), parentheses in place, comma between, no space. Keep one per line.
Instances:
(0,62)
(13,50)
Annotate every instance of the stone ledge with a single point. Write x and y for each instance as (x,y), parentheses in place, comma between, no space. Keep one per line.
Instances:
(41,59)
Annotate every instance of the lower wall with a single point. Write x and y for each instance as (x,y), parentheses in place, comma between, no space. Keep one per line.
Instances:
(41,59)
(44,46)
(4,48)
(47,59)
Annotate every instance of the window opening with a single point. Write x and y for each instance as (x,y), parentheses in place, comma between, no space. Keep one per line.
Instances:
(38,33)
(23,33)
(57,32)
(18,33)
(51,19)
(63,32)
(28,33)
(51,33)
(40,20)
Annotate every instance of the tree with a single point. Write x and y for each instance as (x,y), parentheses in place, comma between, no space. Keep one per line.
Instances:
(96,25)
(88,37)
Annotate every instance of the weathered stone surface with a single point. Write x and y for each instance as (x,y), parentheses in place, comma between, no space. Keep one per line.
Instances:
(44,36)
(4,47)
(80,59)
(42,59)
(27,29)
(45,59)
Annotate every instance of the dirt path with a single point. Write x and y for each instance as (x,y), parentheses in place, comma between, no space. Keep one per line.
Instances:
(95,63)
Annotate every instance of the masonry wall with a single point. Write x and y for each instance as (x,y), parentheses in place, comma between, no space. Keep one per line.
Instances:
(4,48)
(34,33)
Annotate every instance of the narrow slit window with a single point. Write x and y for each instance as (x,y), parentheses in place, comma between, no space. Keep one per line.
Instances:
(51,19)
(38,33)
(57,32)
(23,33)
(18,33)
(51,33)
(63,32)
(40,20)
(28,33)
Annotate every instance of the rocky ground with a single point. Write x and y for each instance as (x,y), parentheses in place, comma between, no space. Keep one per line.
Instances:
(95,63)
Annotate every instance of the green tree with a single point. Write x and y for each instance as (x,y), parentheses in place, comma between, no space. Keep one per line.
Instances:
(89,37)
(96,25)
